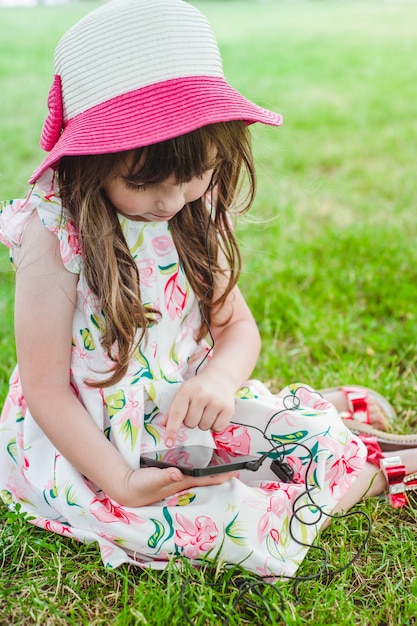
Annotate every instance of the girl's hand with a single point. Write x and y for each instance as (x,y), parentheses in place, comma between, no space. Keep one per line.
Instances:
(151,484)
(206,401)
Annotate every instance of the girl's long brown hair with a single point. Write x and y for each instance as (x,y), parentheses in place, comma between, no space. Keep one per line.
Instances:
(201,230)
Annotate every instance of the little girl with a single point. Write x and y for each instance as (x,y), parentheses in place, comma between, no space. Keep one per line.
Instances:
(132,335)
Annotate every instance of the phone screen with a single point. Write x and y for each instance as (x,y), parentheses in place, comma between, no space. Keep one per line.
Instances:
(199,460)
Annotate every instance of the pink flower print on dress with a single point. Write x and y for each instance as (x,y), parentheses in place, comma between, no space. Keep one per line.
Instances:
(291,402)
(13,219)
(50,491)
(306,398)
(69,243)
(183,498)
(14,399)
(279,507)
(277,510)
(297,466)
(107,551)
(270,485)
(17,491)
(267,573)
(106,510)
(108,536)
(162,245)
(147,271)
(195,538)
(130,416)
(54,526)
(338,475)
(175,297)
(234,439)
(80,352)
(299,474)
(50,485)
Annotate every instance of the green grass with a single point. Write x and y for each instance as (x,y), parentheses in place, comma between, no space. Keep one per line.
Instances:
(330,273)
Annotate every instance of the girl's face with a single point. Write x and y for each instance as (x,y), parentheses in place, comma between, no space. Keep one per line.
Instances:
(156,202)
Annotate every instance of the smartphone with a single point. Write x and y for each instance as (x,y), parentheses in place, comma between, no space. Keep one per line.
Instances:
(199,460)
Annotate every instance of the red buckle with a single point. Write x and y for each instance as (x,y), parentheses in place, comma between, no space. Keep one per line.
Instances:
(358,404)
(394,471)
(411,482)
(375,454)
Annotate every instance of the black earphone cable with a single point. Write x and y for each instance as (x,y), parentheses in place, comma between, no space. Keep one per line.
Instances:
(270,580)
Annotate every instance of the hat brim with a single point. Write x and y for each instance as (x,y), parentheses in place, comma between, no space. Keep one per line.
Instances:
(153,114)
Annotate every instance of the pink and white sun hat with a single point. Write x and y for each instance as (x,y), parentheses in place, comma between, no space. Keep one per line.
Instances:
(137,72)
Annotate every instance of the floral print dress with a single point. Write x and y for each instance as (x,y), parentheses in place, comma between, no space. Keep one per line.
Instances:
(248,519)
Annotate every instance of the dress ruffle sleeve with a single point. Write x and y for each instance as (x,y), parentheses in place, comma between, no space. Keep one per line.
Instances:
(14,216)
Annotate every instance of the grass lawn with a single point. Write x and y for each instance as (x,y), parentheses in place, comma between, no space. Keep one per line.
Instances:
(330,274)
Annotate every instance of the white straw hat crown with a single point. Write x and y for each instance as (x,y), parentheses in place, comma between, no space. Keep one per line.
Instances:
(167,44)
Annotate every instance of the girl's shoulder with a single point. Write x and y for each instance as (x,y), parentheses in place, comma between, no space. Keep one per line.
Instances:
(43,198)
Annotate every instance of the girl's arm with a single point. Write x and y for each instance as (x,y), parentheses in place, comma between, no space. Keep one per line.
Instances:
(208,399)
(44,309)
